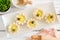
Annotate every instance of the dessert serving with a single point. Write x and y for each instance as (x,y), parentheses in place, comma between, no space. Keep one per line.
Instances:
(50,18)
(20,19)
(31,23)
(38,14)
(13,28)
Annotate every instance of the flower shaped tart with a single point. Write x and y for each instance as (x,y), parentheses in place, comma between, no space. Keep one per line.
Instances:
(50,18)
(21,19)
(13,28)
(31,23)
(38,14)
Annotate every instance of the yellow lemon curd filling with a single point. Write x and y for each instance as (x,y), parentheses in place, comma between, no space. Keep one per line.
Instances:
(13,28)
(38,14)
(50,18)
(21,18)
(31,23)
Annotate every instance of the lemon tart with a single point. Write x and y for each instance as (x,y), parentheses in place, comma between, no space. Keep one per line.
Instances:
(50,18)
(13,28)
(38,14)
(31,23)
(21,19)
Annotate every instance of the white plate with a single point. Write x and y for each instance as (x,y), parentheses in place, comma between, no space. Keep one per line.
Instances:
(9,18)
